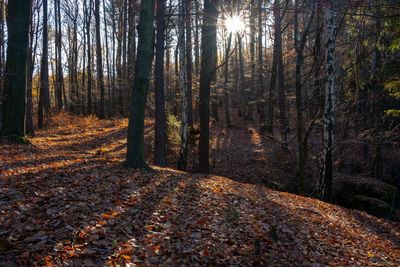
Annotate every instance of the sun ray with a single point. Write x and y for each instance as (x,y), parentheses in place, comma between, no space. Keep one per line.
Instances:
(234,24)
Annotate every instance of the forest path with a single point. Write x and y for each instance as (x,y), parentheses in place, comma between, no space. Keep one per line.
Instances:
(67,200)
(242,153)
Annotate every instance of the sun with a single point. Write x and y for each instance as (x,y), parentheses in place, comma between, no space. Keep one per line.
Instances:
(234,24)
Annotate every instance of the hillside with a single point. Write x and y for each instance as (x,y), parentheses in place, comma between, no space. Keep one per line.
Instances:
(67,200)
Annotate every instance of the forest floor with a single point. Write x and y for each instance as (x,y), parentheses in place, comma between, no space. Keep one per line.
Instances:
(66,199)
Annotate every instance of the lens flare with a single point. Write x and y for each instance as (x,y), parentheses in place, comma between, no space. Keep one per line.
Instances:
(234,24)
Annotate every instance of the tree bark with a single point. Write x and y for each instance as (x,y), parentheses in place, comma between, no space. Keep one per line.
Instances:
(299,44)
(13,109)
(160,143)
(189,59)
(330,95)
(183,85)
(99,61)
(88,10)
(280,82)
(135,147)
(208,53)
(44,97)
(228,122)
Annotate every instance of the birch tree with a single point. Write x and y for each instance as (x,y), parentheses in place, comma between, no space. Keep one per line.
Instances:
(330,95)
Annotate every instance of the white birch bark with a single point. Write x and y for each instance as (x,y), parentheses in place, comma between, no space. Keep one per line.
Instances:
(330,95)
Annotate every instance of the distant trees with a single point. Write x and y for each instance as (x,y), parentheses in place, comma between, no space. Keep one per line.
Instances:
(13,108)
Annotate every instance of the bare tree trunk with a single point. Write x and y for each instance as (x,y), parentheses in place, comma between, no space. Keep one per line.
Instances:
(59,72)
(88,10)
(34,27)
(131,40)
(2,63)
(260,65)
(280,75)
(109,104)
(44,97)
(228,122)
(99,61)
(330,95)
(13,109)
(160,142)
(183,85)
(208,53)
(196,40)
(299,44)
(135,147)
(189,63)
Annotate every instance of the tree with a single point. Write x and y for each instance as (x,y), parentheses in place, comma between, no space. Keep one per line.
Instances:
(330,95)
(160,143)
(13,109)
(189,60)
(208,53)
(88,12)
(299,45)
(280,79)
(183,85)
(99,61)
(44,96)
(33,42)
(135,147)
(59,90)
(228,122)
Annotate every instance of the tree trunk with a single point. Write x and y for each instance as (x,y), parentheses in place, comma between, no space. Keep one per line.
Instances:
(59,73)
(242,104)
(13,109)
(208,53)
(299,44)
(228,122)
(189,63)
(183,85)
(160,142)
(99,61)
(44,96)
(196,40)
(280,86)
(330,95)
(135,147)
(88,10)
(30,68)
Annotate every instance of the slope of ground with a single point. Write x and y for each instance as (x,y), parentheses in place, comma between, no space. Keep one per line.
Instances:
(67,200)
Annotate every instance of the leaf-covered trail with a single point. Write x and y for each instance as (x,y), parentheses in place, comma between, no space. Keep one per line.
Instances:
(67,200)
(243,154)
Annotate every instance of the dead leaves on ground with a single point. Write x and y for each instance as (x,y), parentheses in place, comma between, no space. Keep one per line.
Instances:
(65,203)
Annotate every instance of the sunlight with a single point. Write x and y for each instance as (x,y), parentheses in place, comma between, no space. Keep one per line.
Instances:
(234,24)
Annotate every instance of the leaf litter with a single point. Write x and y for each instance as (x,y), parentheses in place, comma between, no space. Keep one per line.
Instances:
(66,200)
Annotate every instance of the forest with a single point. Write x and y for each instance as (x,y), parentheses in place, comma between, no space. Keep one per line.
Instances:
(200,133)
